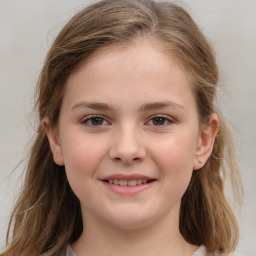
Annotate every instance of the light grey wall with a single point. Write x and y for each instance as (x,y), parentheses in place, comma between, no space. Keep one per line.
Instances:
(27,29)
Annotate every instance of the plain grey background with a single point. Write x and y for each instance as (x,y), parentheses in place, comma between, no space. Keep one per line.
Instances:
(27,29)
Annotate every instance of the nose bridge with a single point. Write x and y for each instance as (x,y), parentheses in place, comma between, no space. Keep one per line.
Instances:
(128,145)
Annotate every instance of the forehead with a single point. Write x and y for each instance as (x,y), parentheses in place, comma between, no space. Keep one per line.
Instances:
(143,45)
(138,53)
(141,67)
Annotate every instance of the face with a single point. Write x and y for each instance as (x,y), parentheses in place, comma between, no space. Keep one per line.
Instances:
(129,136)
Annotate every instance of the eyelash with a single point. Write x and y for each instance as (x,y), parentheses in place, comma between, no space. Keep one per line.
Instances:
(164,118)
(88,120)
(91,118)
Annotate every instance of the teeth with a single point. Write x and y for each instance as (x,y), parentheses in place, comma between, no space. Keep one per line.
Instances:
(123,182)
(129,183)
(138,182)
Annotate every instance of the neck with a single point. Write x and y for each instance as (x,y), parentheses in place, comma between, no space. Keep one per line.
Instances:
(161,238)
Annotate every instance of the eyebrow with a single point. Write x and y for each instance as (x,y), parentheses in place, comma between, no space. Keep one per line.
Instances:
(160,105)
(93,105)
(145,107)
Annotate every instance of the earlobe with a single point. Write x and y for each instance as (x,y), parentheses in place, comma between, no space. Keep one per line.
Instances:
(205,142)
(53,138)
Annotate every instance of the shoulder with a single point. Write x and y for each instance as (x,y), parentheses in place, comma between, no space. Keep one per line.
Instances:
(68,252)
(201,251)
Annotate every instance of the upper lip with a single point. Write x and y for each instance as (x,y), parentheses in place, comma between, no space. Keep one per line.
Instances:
(127,177)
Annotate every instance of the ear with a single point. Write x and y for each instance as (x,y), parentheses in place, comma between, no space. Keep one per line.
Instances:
(205,142)
(53,137)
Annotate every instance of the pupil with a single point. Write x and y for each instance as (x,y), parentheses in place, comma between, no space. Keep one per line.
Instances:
(158,121)
(97,121)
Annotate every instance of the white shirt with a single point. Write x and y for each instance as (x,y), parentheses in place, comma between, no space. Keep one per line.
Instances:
(201,251)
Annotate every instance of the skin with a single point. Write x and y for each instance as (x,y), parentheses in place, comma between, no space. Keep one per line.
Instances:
(128,138)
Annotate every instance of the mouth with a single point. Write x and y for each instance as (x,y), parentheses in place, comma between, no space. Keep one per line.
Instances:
(129,183)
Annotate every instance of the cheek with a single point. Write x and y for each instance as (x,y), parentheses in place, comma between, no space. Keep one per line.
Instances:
(177,149)
(82,155)
(175,157)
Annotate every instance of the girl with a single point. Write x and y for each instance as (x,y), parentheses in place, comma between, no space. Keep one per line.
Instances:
(129,153)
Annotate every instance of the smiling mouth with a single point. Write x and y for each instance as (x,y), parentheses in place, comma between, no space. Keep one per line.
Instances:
(130,183)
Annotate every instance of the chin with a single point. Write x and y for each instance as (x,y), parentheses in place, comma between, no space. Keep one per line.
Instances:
(131,220)
(131,224)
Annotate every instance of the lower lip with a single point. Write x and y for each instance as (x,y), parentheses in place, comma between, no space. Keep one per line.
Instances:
(128,190)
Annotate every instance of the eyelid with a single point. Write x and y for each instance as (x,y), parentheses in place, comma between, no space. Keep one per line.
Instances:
(167,118)
(85,120)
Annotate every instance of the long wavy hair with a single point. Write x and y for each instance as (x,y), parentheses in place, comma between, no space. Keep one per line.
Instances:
(47,215)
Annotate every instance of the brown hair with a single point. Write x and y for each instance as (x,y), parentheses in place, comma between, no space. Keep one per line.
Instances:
(47,215)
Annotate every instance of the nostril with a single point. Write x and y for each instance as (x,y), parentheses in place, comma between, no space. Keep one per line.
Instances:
(123,152)
(131,158)
(127,160)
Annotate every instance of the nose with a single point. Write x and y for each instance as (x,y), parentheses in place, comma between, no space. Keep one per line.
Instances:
(127,146)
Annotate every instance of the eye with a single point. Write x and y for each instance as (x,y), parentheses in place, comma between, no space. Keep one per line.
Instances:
(160,121)
(95,121)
